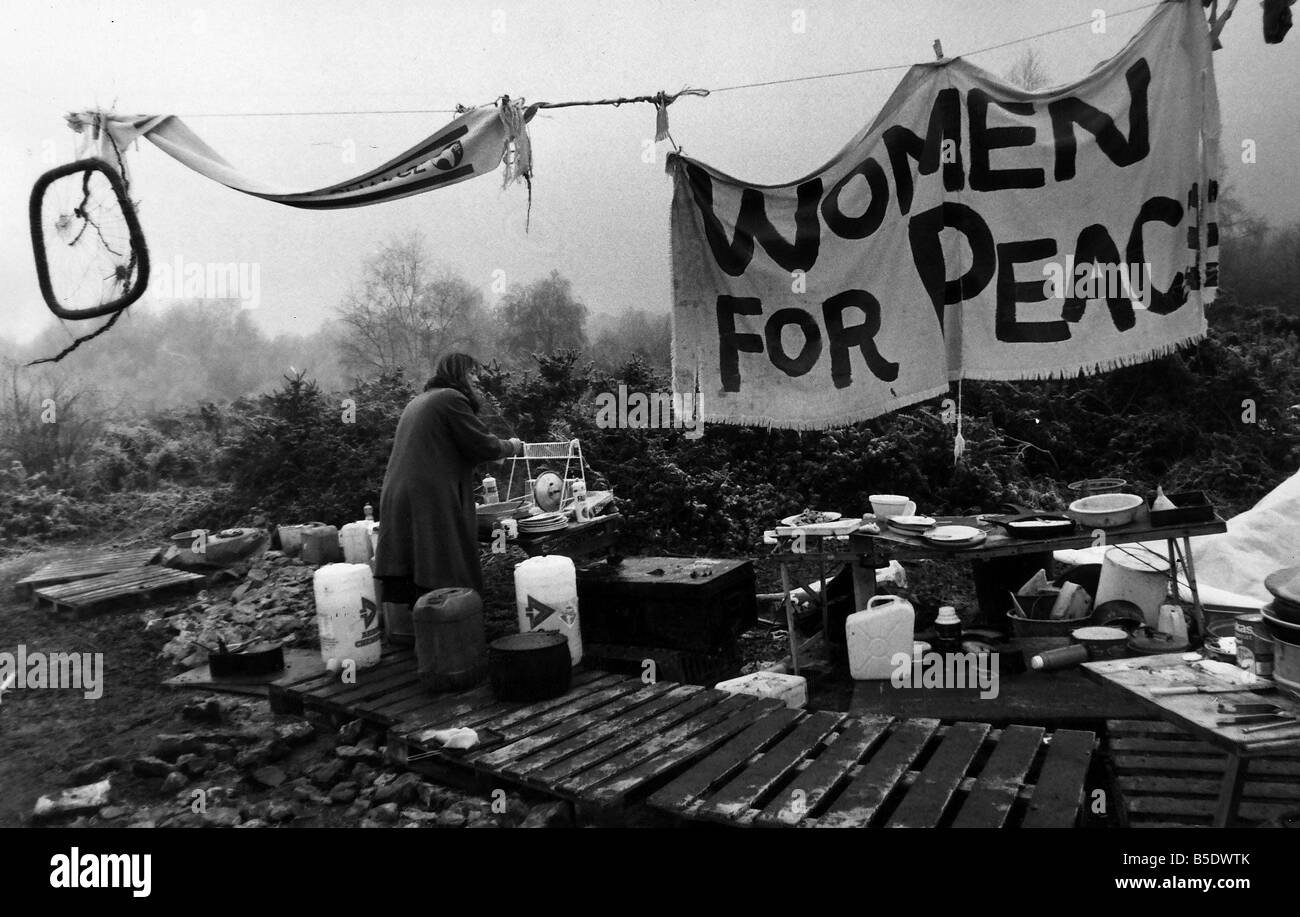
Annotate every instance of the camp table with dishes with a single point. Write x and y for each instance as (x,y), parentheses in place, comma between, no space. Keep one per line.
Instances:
(1148,677)
(904,546)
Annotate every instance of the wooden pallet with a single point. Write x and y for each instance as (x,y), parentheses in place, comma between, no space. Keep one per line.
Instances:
(84,567)
(606,742)
(84,596)
(1166,777)
(824,769)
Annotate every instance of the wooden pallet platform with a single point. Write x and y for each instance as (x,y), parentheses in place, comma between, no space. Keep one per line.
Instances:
(95,594)
(1166,777)
(84,567)
(824,769)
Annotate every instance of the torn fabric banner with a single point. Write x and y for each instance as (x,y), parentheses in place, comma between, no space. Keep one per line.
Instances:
(474,144)
(974,229)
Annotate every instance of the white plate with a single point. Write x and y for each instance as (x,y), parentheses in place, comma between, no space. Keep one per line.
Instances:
(910,522)
(826,517)
(954,535)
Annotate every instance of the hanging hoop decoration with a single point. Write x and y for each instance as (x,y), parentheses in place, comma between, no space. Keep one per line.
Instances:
(91,257)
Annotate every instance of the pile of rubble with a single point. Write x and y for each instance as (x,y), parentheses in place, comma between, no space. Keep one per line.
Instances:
(243,767)
(273,601)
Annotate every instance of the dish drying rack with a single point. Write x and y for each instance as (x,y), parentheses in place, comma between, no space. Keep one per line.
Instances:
(562,458)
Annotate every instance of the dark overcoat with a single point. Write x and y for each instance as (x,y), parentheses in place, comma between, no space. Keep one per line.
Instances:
(427,527)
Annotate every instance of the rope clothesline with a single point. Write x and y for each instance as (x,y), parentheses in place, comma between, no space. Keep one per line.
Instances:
(662,98)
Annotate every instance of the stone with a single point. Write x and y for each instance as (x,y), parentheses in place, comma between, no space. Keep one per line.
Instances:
(259,810)
(417,815)
(400,791)
(112,813)
(296,732)
(357,753)
(74,801)
(150,767)
(282,812)
(194,765)
(252,823)
(250,759)
(93,771)
(222,817)
(328,773)
(207,711)
(349,732)
(144,823)
(175,781)
(343,793)
(240,591)
(548,815)
(452,818)
(516,809)
(365,774)
(357,809)
(171,747)
(269,776)
(386,813)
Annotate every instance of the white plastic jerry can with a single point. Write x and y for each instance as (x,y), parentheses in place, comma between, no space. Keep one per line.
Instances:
(876,634)
(546,597)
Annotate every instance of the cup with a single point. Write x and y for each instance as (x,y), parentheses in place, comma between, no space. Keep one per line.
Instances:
(887,505)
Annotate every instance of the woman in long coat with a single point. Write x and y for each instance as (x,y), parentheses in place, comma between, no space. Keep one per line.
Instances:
(427,527)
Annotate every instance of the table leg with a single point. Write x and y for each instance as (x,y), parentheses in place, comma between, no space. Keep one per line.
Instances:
(826,608)
(1197,610)
(864,579)
(789,618)
(1234,778)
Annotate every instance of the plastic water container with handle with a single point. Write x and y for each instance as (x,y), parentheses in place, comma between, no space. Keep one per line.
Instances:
(878,632)
(347,615)
(546,595)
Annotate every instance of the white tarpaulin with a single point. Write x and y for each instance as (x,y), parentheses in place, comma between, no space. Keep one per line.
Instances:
(956,236)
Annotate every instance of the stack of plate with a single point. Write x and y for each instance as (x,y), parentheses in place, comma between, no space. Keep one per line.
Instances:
(1285,586)
(542,523)
(910,525)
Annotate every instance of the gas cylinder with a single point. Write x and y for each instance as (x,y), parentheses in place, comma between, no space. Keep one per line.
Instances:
(450,639)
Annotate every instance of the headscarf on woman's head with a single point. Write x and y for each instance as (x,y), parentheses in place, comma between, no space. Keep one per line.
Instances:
(452,371)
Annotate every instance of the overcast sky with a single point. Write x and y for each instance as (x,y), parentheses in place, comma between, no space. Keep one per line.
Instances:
(600,212)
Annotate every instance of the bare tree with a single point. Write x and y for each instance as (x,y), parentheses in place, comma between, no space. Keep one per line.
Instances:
(406,312)
(1029,72)
(543,317)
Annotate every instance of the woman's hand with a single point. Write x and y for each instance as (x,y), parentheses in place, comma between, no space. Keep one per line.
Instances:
(516,446)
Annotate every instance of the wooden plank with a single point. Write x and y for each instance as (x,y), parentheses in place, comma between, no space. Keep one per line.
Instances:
(831,769)
(1263,767)
(989,802)
(677,753)
(568,726)
(1204,808)
(773,767)
(925,802)
(589,744)
(861,799)
(1165,745)
(1191,786)
(544,713)
(85,567)
(508,723)
(723,764)
(659,741)
(82,594)
(423,713)
(567,768)
(1059,791)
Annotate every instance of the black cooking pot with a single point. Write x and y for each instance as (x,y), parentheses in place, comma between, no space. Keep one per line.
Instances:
(530,667)
(255,659)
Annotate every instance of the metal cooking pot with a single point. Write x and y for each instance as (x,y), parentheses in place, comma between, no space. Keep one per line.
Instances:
(530,667)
